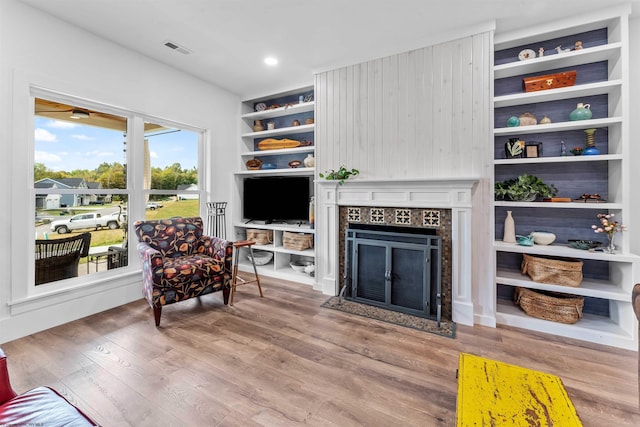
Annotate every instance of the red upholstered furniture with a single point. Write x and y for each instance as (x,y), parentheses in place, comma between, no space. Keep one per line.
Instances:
(42,406)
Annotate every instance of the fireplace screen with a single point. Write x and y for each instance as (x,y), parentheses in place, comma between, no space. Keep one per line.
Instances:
(394,268)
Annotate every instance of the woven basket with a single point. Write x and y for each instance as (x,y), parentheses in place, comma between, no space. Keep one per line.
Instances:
(553,271)
(297,241)
(552,306)
(261,237)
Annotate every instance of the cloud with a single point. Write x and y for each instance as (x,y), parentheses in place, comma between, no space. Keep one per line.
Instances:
(83,137)
(153,154)
(44,135)
(60,124)
(96,153)
(45,157)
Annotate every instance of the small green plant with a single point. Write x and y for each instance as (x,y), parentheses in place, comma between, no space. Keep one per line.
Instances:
(524,188)
(340,175)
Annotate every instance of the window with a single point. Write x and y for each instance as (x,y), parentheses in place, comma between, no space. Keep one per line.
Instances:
(171,171)
(81,183)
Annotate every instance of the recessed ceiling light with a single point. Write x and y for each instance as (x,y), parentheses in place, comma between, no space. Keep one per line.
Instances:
(270,60)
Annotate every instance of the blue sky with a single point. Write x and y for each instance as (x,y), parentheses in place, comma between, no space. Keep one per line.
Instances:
(67,146)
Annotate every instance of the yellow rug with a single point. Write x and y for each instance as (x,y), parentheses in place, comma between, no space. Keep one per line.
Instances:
(492,393)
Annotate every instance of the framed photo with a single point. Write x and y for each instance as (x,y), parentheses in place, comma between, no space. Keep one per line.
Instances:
(533,149)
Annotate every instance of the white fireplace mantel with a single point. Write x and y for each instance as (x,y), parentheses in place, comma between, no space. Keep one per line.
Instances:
(444,193)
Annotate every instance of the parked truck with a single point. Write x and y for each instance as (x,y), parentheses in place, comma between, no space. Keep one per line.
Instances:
(84,220)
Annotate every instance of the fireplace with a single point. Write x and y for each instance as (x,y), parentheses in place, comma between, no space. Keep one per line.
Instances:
(387,201)
(396,268)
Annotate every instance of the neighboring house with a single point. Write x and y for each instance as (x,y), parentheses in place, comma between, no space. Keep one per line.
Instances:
(56,201)
(97,198)
(188,187)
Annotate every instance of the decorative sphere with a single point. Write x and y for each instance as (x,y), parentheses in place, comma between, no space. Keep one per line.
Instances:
(513,121)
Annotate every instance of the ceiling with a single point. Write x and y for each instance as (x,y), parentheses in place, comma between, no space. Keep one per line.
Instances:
(229,39)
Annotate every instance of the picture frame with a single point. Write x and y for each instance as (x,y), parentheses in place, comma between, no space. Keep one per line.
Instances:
(533,149)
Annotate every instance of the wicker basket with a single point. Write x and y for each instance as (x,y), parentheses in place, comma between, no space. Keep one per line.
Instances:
(297,241)
(553,271)
(261,237)
(552,306)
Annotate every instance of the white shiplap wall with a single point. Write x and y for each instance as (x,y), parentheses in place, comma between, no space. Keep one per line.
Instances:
(422,114)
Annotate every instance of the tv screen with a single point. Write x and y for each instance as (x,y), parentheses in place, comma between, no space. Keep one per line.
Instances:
(276,198)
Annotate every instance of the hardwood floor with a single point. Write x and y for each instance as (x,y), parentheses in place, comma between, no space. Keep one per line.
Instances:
(283,360)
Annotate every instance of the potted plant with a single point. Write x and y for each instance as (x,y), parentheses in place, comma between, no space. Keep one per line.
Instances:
(523,188)
(340,175)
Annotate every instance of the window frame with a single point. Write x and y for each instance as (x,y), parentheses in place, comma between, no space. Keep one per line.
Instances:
(25,295)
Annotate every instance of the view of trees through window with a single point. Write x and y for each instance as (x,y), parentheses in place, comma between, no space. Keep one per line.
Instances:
(80,182)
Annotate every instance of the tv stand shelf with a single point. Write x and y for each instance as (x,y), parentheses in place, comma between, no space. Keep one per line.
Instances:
(279,266)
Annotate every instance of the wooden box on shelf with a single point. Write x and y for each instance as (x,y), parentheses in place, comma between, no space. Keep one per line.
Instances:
(549,81)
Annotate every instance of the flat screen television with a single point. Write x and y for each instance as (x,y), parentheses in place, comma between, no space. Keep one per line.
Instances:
(276,198)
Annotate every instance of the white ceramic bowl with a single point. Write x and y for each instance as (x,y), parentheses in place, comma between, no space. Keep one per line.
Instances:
(300,266)
(543,237)
(261,257)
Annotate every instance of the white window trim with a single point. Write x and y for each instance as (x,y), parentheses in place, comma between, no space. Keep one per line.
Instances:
(25,296)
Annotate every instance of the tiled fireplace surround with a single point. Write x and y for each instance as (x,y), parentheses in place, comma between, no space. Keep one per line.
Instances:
(420,199)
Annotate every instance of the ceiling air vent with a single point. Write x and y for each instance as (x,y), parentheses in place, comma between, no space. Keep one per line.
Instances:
(177,47)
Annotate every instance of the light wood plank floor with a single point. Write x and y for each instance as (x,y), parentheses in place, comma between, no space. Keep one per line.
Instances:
(283,360)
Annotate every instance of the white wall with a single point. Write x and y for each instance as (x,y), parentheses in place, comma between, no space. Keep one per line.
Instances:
(36,48)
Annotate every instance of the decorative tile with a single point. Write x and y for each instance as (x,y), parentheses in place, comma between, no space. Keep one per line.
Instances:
(403,216)
(431,218)
(353,215)
(376,216)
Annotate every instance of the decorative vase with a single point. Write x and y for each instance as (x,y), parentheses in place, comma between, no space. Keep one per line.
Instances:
(582,112)
(514,148)
(591,149)
(610,248)
(513,121)
(257,126)
(527,119)
(312,212)
(309,161)
(545,120)
(509,229)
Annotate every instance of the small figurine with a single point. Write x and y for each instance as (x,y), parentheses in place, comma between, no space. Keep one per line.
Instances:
(559,49)
(540,52)
(578,45)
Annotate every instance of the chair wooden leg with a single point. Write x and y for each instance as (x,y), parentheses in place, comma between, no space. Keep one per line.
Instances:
(225,295)
(157,312)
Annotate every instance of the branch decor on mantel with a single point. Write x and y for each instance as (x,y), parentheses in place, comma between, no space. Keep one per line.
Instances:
(341,174)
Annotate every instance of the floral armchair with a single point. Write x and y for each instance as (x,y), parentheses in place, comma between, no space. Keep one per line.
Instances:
(179,262)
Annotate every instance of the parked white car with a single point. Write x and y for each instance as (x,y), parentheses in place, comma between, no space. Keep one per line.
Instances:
(154,205)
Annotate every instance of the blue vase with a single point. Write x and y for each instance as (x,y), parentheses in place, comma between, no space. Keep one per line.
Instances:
(513,121)
(590,149)
(582,112)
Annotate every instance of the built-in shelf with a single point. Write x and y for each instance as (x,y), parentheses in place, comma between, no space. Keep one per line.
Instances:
(302,107)
(561,159)
(560,205)
(561,250)
(307,149)
(552,60)
(559,126)
(585,90)
(282,131)
(290,171)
